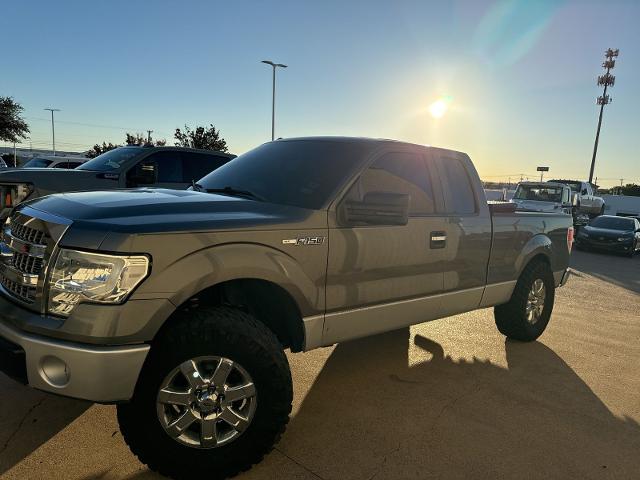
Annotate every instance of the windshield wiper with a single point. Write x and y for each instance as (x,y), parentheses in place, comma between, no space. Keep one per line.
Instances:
(234,192)
(196,186)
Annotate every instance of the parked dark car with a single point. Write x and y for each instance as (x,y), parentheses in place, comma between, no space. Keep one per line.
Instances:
(124,167)
(611,233)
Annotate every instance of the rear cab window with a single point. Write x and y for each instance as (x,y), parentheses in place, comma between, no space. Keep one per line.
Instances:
(198,165)
(459,195)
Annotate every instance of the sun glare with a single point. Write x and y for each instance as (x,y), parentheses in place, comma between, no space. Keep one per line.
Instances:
(438,108)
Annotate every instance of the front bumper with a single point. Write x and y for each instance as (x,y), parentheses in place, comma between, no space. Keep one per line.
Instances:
(616,247)
(99,374)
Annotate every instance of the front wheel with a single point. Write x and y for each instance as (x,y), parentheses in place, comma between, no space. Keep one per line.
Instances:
(213,397)
(526,315)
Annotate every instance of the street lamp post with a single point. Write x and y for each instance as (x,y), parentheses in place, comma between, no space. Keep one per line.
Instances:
(53,128)
(273,96)
(606,80)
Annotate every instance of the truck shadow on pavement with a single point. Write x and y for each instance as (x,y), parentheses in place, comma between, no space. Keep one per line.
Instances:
(615,269)
(371,414)
(29,418)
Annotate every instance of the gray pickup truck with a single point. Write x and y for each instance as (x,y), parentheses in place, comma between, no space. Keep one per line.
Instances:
(123,167)
(178,305)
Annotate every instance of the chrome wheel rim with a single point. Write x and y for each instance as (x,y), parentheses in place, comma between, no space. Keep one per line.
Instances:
(206,402)
(535,301)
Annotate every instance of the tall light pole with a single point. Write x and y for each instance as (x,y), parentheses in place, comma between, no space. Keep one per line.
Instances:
(273,96)
(53,128)
(606,80)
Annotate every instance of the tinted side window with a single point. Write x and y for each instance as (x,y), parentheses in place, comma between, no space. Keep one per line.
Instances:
(67,165)
(460,198)
(169,166)
(398,172)
(197,165)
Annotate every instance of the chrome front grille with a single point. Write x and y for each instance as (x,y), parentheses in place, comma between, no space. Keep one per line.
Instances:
(27,264)
(23,292)
(26,233)
(23,247)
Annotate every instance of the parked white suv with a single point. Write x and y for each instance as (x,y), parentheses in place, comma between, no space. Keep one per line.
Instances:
(51,161)
(588,202)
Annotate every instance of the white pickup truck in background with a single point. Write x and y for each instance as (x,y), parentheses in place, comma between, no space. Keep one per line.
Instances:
(588,202)
(543,197)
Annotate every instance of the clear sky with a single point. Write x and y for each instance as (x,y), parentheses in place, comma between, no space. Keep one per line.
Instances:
(516,78)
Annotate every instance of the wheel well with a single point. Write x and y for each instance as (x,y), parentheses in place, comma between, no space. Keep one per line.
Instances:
(540,257)
(266,301)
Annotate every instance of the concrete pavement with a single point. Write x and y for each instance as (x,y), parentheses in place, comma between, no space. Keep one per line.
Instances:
(445,399)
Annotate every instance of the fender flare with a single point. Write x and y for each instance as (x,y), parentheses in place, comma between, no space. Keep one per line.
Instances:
(213,265)
(539,244)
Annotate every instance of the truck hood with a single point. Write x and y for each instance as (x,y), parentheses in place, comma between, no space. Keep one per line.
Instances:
(155,210)
(536,206)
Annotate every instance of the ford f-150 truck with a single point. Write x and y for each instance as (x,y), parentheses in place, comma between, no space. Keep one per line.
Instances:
(588,202)
(543,197)
(178,305)
(169,167)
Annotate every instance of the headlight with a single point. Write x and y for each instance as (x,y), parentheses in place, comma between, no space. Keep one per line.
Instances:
(90,277)
(624,239)
(13,195)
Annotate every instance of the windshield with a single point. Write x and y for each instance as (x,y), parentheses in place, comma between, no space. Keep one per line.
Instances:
(304,173)
(37,163)
(613,223)
(539,193)
(111,160)
(574,186)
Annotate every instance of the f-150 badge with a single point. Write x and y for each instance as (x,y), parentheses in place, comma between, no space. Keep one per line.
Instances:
(304,241)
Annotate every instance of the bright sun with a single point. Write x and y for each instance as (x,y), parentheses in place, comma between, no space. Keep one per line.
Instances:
(438,108)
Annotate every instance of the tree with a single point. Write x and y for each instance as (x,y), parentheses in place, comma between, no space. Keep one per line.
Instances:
(140,140)
(100,149)
(631,189)
(204,138)
(12,127)
(130,139)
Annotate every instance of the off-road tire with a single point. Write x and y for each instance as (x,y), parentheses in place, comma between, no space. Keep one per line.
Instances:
(225,332)
(511,317)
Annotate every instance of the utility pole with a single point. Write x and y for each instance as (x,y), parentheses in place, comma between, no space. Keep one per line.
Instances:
(606,80)
(53,128)
(273,95)
(149,132)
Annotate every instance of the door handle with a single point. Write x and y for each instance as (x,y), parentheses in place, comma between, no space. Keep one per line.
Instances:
(438,240)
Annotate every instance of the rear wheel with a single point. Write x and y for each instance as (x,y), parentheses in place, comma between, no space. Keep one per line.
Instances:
(526,315)
(213,397)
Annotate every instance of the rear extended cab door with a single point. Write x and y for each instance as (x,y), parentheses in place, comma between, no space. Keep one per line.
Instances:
(384,277)
(467,225)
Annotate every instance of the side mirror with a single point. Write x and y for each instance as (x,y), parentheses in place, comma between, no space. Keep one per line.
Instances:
(377,208)
(574,199)
(145,173)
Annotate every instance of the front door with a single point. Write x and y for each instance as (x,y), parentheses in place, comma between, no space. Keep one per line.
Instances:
(382,277)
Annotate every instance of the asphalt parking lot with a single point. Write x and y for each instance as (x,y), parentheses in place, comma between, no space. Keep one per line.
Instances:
(446,399)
